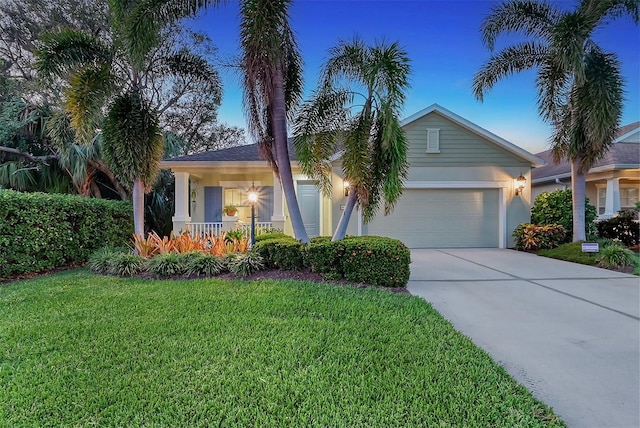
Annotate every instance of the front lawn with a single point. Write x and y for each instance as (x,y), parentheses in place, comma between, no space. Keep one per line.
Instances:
(572,252)
(80,350)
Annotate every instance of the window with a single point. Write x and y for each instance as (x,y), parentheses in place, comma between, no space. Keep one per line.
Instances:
(602,199)
(238,197)
(628,197)
(433,140)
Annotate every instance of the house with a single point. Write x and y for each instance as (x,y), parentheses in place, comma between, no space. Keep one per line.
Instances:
(460,191)
(613,183)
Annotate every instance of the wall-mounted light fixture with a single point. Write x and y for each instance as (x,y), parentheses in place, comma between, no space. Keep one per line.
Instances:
(519,184)
(346,187)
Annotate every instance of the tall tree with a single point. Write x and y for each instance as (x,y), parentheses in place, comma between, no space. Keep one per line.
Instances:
(355,111)
(580,87)
(271,67)
(114,72)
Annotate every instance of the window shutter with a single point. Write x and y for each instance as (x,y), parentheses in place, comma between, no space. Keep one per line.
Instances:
(212,204)
(433,141)
(265,205)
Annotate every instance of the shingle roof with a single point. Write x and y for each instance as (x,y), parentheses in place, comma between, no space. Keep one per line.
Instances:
(620,154)
(246,153)
(624,130)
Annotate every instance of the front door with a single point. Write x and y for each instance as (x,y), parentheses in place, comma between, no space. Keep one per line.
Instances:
(309,202)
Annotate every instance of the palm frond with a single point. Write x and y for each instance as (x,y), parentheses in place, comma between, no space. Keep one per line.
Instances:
(510,60)
(67,50)
(530,17)
(187,64)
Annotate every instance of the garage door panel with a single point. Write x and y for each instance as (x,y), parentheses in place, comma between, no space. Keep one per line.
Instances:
(442,218)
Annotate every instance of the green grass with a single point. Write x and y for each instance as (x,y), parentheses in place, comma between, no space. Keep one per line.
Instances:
(80,350)
(572,252)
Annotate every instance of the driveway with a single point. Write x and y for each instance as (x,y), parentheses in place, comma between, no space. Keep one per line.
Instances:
(569,333)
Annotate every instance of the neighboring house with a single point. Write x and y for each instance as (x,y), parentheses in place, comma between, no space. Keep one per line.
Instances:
(613,184)
(460,190)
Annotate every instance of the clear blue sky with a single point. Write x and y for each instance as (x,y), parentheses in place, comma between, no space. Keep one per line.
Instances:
(443,43)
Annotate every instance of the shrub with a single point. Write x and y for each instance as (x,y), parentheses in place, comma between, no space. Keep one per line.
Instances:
(41,231)
(272,235)
(101,261)
(201,264)
(127,264)
(319,239)
(246,264)
(622,228)
(324,257)
(167,265)
(282,252)
(615,256)
(530,237)
(375,260)
(557,208)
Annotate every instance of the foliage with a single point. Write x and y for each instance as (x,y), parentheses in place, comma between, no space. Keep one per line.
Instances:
(580,85)
(571,252)
(616,256)
(43,231)
(166,265)
(247,263)
(324,256)
(280,252)
(212,345)
(375,260)
(201,264)
(531,237)
(356,112)
(127,264)
(271,235)
(100,260)
(622,227)
(557,208)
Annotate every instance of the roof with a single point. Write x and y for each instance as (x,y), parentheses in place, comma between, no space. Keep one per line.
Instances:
(249,153)
(500,142)
(626,131)
(246,153)
(621,155)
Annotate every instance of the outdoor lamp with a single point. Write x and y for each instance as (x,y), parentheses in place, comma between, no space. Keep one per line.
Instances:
(252,195)
(346,188)
(519,184)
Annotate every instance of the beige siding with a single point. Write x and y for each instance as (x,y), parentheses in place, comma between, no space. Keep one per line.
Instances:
(458,146)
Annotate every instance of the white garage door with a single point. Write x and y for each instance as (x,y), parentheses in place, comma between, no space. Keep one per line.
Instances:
(442,218)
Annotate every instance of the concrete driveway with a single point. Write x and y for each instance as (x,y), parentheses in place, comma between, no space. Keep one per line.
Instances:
(569,333)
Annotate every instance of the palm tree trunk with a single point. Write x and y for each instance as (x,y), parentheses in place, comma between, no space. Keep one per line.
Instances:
(282,157)
(138,207)
(578,196)
(341,229)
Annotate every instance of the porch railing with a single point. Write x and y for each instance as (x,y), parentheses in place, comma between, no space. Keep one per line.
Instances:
(201,229)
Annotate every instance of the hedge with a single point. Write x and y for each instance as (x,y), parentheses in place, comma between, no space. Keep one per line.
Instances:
(40,231)
(624,227)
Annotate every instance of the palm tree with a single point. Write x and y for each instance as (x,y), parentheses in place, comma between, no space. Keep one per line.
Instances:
(579,85)
(112,72)
(271,67)
(355,111)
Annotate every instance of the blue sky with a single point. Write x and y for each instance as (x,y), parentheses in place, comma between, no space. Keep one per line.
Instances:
(442,40)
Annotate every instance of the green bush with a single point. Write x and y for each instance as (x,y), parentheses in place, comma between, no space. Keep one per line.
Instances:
(168,265)
(272,235)
(530,237)
(557,208)
(375,260)
(324,257)
(246,263)
(40,231)
(101,261)
(282,252)
(623,228)
(127,264)
(201,264)
(615,256)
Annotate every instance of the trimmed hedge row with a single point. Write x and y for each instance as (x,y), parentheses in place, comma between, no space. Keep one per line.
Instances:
(372,260)
(41,231)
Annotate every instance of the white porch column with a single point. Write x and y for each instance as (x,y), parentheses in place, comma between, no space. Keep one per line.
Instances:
(612,202)
(277,217)
(181,217)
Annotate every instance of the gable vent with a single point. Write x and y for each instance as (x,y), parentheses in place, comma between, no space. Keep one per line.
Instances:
(433,140)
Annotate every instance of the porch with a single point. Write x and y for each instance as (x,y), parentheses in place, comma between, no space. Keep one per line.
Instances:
(215,228)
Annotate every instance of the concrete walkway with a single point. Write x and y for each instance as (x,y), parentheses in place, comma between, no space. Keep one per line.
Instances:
(569,333)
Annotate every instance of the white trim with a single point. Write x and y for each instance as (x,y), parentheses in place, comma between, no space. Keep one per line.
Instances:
(621,138)
(257,165)
(502,217)
(535,161)
(456,184)
(236,184)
